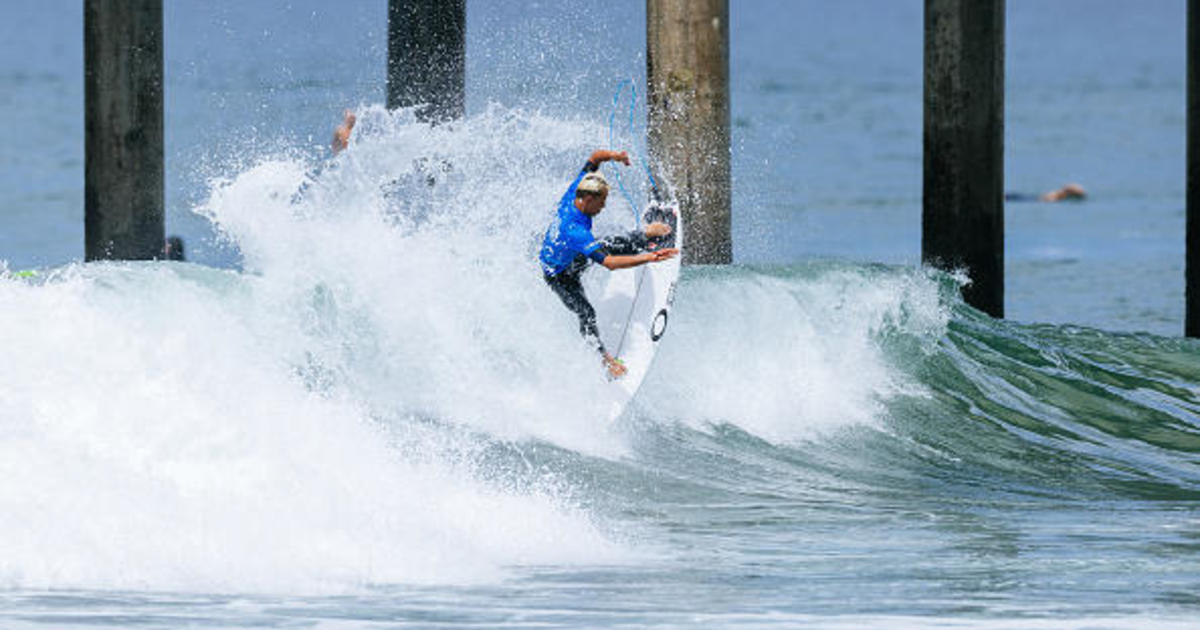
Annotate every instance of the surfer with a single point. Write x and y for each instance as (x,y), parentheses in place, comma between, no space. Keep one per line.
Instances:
(341,135)
(173,248)
(1070,192)
(569,247)
(339,143)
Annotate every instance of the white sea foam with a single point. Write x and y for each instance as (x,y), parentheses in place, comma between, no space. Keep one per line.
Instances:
(155,437)
(164,426)
(790,356)
(426,298)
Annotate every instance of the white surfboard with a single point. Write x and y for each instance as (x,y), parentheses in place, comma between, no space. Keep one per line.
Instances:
(633,310)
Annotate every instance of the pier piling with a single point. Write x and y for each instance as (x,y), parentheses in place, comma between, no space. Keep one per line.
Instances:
(123,129)
(1191,325)
(427,57)
(687,78)
(962,223)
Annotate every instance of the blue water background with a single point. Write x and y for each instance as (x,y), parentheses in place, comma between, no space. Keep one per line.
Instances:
(826,108)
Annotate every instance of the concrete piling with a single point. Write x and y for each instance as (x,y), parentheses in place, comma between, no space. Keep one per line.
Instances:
(687,77)
(427,57)
(962,223)
(123,128)
(1191,325)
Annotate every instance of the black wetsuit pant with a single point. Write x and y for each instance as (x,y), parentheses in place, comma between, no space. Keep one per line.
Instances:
(567,286)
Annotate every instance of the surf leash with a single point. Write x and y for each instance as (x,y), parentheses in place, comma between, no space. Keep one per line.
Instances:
(630,129)
(612,125)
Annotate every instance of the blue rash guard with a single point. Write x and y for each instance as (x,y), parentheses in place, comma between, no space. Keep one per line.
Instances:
(570,236)
(568,247)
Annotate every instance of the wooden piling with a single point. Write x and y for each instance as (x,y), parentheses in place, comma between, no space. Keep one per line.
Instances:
(687,78)
(123,129)
(1191,325)
(963,197)
(427,57)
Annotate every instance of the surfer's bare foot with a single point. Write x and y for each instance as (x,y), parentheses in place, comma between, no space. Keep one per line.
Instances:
(656,230)
(616,369)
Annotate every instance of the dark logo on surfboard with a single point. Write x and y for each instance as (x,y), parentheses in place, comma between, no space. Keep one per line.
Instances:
(659,325)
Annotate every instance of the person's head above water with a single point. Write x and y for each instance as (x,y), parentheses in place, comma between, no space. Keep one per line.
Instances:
(173,248)
(1070,192)
(591,194)
(593,183)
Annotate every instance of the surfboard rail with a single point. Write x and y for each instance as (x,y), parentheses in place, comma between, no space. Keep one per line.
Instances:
(633,311)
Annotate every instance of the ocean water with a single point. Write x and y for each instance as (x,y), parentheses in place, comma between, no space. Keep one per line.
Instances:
(357,406)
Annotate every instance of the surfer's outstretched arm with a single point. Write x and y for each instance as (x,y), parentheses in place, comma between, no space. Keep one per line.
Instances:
(602,155)
(613,262)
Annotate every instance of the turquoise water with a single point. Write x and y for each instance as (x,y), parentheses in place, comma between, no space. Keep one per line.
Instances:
(359,407)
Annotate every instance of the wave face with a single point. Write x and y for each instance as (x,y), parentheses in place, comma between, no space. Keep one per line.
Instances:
(387,394)
(883,373)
